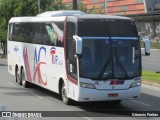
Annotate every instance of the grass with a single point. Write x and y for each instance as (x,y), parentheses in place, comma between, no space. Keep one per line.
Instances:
(154,45)
(151,76)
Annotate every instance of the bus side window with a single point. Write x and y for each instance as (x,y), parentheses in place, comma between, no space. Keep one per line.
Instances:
(43,34)
(50,34)
(10,32)
(16,32)
(59,33)
(35,34)
(23,32)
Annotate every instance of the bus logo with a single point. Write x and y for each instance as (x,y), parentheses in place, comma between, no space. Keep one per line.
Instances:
(54,56)
(16,48)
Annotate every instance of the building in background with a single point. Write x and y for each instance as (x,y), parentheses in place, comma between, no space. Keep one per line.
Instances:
(128,7)
(98,5)
(120,7)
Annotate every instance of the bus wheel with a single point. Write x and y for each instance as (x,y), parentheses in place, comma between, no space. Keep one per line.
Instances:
(18,77)
(65,99)
(23,79)
(147,54)
(16,73)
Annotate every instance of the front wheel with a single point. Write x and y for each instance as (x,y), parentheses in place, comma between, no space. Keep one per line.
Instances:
(147,54)
(65,99)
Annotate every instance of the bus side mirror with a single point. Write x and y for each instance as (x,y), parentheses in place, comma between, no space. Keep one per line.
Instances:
(78,44)
(147,47)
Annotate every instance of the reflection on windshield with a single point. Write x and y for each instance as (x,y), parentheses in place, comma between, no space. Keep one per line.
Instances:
(96,58)
(110,59)
(127,62)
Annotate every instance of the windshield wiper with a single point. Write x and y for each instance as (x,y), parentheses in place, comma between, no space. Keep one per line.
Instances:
(103,69)
(121,65)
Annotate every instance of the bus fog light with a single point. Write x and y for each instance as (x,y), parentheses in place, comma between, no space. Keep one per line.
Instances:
(135,84)
(87,85)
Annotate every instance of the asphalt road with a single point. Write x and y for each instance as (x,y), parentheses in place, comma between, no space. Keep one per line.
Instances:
(16,98)
(152,62)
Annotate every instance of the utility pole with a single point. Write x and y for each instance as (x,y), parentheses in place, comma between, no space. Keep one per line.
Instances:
(39,6)
(74,4)
(105,6)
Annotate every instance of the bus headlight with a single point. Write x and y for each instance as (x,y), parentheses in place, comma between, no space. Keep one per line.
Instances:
(135,84)
(87,85)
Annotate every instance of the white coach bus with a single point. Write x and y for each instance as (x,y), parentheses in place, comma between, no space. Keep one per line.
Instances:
(81,57)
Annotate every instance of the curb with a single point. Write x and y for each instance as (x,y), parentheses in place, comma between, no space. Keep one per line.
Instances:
(151,49)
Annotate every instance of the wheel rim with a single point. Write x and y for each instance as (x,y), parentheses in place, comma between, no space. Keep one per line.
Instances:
(18,76)
(23,79)
(64,95)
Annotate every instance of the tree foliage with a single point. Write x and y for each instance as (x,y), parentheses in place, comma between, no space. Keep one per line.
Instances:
(15,8)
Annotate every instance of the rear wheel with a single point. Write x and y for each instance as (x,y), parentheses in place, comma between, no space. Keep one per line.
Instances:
(65,99)
(24,82)
(18,77)
(16,73)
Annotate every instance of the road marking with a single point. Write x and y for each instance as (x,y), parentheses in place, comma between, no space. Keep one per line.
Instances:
(85,117)
(140,102)
(36,95)
(11,84)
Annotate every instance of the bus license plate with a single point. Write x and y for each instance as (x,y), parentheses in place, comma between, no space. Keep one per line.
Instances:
(113,95)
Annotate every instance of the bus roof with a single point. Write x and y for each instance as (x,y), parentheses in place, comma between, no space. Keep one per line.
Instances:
(36,19)
(98,16)
(62,18)
(61,13)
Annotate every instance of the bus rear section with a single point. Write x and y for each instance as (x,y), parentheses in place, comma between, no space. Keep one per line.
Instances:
(109,66)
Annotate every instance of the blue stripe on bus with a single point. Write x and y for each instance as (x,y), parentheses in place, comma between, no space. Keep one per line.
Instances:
(95,38)
(124,38)
(115,38)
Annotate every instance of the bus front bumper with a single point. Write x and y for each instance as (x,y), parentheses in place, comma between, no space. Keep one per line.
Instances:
(108,95)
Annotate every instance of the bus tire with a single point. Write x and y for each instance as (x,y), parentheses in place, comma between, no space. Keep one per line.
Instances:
(23,79)
(18,76)
(147,54)
(65,99)
(16,73)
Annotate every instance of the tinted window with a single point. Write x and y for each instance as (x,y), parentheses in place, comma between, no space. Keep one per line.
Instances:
(38,33)
(10,32)
(102,28)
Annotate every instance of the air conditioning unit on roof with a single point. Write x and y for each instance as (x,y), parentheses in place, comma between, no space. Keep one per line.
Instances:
(61,13)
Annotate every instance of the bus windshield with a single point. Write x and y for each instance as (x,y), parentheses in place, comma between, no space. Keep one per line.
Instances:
(108,51)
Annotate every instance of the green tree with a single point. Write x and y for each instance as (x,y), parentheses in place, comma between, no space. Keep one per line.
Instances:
(13,8)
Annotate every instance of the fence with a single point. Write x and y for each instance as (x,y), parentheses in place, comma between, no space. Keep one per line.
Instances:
(148,24)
